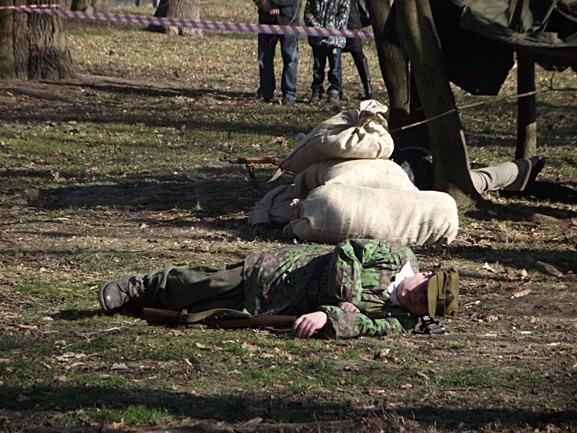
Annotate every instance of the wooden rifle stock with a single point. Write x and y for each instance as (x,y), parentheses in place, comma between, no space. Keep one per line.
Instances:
(259,160)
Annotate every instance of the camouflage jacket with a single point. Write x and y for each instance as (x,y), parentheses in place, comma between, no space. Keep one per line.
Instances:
(330,14)
(305,278)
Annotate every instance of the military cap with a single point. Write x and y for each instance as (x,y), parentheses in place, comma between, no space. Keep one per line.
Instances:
(443,293)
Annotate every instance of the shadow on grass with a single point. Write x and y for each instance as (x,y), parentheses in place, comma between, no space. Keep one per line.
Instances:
(237,407)
(75,315)
(152,105)
(214,192)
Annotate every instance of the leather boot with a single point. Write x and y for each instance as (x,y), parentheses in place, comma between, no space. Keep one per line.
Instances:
(363,67)
(115,294)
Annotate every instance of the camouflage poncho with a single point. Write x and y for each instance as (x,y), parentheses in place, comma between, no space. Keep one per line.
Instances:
(305,278)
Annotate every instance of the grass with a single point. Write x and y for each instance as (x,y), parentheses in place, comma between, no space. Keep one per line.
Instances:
(127,168)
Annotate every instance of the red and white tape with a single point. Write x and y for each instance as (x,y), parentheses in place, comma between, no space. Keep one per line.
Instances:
(197,24)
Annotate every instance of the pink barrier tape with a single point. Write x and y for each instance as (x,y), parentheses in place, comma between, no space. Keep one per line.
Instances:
(198,24)
(20,8)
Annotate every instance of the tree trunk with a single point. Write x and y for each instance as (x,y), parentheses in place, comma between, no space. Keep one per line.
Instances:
(526,109)
(396,74)
(419,36)
(79,5)
(33,46)
(181,9)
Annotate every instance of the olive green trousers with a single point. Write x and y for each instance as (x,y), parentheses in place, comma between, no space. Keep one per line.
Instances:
(197,288)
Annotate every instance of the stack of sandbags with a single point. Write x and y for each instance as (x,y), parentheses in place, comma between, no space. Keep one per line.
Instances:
(346,187)
(351,134)
(370,173)
(275,208)
(335,212)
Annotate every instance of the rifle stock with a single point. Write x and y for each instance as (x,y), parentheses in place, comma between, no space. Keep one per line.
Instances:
(259,160)
(230,319)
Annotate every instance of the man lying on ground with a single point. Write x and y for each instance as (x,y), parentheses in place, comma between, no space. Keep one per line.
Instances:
(513,176)
(330,291)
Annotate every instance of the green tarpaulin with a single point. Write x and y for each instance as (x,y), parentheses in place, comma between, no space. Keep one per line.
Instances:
(479,38)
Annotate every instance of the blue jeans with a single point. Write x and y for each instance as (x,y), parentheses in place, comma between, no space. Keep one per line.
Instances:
(290,57)
(321,54)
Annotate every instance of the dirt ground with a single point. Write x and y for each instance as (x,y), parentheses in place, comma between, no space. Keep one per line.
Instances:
(517,263)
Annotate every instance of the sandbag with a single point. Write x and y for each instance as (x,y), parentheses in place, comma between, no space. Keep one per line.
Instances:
(371,173)
(274,208)
(351,134)
(334,212)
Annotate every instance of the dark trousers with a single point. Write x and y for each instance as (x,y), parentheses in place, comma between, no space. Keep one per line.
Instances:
(197,288)
(266,51)
(320,54)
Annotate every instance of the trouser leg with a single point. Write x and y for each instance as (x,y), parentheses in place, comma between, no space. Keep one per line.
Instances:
(362,66)
(290,57)
(512,176)
(319,65)
(335,72)
(195,288)
(266,50)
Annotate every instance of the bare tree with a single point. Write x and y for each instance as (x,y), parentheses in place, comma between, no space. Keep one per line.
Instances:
(33,46)
(404,103)
(526,109)
(181,9)
(447,139)
(415,74)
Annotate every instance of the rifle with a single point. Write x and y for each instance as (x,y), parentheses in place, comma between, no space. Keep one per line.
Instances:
(233,319)
(258,160)
(218,318)
(249,164)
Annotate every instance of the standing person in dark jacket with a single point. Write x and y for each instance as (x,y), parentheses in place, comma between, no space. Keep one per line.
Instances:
(286,13)
(329,289)
(329,14)
(358,18)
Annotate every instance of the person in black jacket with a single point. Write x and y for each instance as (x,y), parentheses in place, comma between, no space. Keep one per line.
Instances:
(286,13)
(359,18)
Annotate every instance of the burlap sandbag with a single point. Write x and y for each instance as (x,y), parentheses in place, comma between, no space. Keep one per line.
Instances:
(371,173)
(351,134)
(334,212)
(274,208)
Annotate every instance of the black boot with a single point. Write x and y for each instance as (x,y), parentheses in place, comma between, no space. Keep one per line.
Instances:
(363,67)
(115,294)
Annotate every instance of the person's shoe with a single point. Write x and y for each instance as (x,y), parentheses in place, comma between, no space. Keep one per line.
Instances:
(262,99)
(334,97)
(537,164)
(369,91)
(115,294)
(529,169)
(315,98)
(288,101)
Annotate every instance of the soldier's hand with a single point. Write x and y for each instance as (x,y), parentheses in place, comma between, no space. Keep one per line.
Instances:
(307,324)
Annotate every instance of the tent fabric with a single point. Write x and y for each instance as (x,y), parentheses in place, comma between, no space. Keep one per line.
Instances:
(543,31)
(480,37)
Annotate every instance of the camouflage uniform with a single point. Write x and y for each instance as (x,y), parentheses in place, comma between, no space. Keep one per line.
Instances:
(296,280)
(300,279)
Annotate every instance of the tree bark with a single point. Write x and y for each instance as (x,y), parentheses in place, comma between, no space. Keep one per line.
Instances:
(403,99)
(181,9)
(33,46)
(451,167)
(526,109)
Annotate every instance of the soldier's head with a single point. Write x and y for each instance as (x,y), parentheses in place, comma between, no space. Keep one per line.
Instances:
(430,293)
